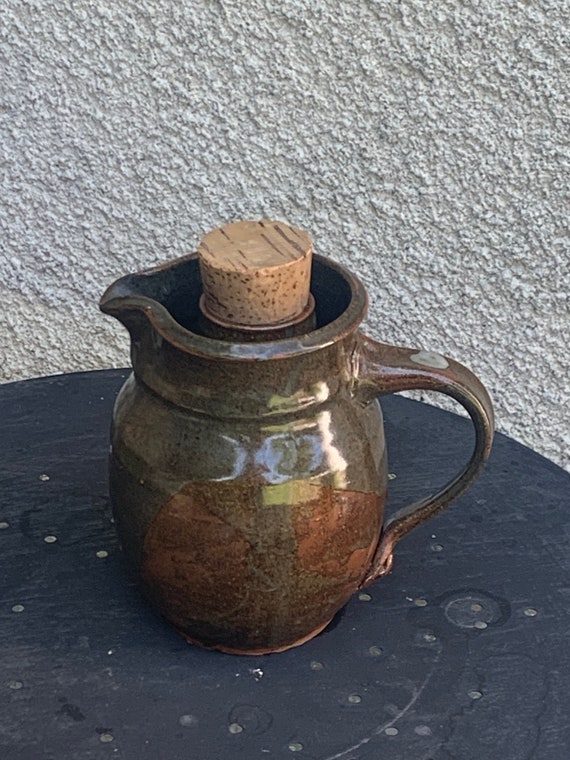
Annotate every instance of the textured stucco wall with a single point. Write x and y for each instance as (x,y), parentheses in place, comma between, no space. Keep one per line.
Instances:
(424,145)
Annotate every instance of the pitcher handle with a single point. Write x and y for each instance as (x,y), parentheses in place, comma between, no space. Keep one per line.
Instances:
(381,369)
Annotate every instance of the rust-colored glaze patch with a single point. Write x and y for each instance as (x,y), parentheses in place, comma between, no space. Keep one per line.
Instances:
(233,572)
(336,521)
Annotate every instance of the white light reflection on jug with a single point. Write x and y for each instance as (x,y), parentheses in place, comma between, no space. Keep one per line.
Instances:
(233,458)
(337,464)
(317,394)
(289,455)
(302,451)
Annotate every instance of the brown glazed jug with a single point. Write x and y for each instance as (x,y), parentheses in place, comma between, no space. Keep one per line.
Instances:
(248,479)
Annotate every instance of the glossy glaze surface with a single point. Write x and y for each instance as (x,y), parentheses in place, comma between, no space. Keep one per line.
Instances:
(248,480)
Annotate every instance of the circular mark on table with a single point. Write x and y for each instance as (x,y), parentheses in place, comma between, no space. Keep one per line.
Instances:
(250,718)
(473,609)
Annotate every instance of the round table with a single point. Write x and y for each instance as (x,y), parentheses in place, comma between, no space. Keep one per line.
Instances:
(461,653)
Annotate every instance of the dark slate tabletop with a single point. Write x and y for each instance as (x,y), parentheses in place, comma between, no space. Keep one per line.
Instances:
(462,652)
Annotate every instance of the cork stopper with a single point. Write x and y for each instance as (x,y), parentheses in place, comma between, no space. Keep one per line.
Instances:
(256,275)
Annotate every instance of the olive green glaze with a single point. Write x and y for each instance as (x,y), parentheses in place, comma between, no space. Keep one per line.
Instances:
(248,480)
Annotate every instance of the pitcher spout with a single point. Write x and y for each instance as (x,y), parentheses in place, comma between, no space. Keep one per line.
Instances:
(121,301)
(165,295)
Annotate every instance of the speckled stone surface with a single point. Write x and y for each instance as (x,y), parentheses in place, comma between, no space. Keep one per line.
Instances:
(423,146)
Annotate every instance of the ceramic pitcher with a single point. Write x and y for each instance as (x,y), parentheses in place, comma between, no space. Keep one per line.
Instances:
(248,480)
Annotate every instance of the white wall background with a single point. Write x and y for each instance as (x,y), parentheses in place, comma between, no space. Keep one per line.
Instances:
(424,145)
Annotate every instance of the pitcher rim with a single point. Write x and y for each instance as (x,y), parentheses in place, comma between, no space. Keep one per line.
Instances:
(171,330)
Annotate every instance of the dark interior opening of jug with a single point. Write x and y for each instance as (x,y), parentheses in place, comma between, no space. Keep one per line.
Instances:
(180,294)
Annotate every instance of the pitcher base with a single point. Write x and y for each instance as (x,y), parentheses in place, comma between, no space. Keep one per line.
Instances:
(254,652)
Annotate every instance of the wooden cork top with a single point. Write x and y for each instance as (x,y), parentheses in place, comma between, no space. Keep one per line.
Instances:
(256,274)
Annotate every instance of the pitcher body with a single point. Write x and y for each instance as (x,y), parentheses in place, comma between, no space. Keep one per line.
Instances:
(248,480)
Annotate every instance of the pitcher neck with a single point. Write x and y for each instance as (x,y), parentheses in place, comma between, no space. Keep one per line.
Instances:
(243,388)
